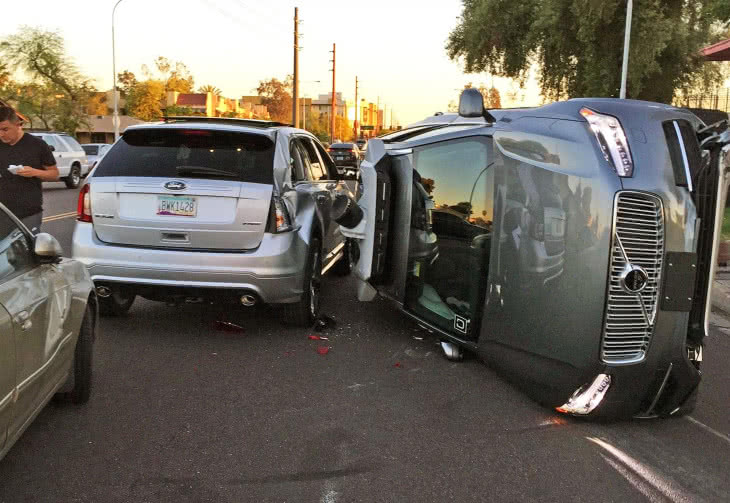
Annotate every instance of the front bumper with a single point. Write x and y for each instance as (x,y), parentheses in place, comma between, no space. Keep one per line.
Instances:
(273,271)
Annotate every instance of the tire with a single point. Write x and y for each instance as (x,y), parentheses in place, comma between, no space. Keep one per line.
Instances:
(83,358)
(346,264)
(117,304)
(303,312)
(73,180)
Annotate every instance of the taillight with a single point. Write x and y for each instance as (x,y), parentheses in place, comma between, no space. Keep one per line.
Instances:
(83,210)
(279,220)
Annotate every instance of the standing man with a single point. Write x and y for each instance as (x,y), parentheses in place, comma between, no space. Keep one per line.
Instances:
(22,192)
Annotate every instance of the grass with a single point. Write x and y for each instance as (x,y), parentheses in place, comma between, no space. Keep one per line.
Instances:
(726,225)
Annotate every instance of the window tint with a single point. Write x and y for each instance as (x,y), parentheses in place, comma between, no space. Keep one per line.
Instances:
(329,164)
(91,149)
(684,151)
(191,153)
(15,254)
(315,165)
(300,172)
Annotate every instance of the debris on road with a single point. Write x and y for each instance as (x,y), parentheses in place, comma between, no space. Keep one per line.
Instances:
(318,338)
(323,321)
(323,350)
(227,326)
(397,365)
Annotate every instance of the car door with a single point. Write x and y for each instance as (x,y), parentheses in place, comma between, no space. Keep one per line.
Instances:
(76,153)
(7,373)
(37,298)
(325,186)
(60,153)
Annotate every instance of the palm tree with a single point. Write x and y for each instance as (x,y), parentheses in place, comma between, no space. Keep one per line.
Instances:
(210,89)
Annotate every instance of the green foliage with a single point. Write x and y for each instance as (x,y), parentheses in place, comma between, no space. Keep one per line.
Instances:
(177,110)
(145,100)
(578,44)
(277,97)
(56,94)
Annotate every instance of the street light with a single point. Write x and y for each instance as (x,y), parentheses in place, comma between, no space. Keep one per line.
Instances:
(115,117)
(627,37)
(304,102)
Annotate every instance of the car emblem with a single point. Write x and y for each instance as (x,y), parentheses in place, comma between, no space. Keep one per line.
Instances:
(175,185)
(634,279)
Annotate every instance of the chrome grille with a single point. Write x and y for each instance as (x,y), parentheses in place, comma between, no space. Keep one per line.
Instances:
(638,242)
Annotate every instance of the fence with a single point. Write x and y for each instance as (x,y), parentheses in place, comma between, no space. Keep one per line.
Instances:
(719,101)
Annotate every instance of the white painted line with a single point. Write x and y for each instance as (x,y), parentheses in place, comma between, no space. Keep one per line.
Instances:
(708,429)
(667,488)
(329,495)
(639,484)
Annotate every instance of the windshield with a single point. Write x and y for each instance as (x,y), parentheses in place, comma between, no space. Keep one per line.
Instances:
(191,153)
(91,149)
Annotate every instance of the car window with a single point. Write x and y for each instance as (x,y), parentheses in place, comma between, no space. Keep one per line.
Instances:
(15,252)
(75,146)
(51,141)
(315,164)
(300,172)
(91,149)
(61,146)
(329,164)
(191,153)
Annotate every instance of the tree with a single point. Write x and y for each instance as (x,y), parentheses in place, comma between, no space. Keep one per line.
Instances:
(145,100)
(578,44)
(177,110)
(57,93)
(175,76)
(125,82)
(276,95)
(97,104)
(210,89)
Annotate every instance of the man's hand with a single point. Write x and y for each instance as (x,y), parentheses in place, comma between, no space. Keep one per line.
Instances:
(50,174)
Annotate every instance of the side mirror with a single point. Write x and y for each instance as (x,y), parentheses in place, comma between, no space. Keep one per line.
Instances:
(47,247)
(471,104)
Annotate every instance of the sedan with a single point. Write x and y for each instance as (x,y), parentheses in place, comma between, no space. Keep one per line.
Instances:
(346,157)
(47,327)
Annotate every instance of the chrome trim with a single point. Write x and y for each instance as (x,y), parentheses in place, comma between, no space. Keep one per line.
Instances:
(687,174)
(9,398)
(29,380)
(637,243)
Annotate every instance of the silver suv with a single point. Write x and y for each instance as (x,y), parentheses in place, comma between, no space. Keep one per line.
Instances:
(200,209)
(70,157)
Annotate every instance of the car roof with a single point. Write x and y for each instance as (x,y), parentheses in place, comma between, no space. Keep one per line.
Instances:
(204,125)
(343,145)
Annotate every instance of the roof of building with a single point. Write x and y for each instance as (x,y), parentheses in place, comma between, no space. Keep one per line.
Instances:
(104,124)
(717,52)
(192,99)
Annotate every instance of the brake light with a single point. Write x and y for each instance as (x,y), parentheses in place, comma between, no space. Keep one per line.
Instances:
(279,220)
(83,210)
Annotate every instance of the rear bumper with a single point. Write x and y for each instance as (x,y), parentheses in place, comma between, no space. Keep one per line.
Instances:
(273,271)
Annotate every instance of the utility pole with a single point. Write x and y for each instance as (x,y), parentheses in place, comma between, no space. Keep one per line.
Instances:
(333,111)
(627,39)
(377,118)
(295,97)
(357,105)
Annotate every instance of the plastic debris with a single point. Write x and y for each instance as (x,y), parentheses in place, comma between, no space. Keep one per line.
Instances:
(323,350)
(318,338)
(323,321)
(227,326)
(418,338)
(397,365)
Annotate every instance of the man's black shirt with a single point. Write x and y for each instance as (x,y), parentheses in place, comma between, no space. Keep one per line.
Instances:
(23,196)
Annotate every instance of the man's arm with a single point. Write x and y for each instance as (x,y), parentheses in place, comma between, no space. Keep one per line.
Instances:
(47,174)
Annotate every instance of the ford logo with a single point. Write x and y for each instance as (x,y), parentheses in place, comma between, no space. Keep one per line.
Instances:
(634,279)
(175,185)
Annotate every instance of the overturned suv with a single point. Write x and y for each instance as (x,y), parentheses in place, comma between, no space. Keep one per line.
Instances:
(199,209)
(571,246)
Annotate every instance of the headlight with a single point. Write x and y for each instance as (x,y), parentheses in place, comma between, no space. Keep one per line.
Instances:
(612,139)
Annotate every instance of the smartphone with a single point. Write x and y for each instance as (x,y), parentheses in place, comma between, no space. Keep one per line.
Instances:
(14,168)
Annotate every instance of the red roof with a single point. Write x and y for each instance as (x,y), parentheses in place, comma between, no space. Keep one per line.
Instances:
(717,52)
(199,100)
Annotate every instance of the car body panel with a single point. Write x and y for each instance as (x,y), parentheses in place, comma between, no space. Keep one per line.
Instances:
(65,152)
(7,374)
(100,150)
(45,303)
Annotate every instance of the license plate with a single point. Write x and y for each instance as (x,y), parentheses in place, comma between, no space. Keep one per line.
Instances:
(339,157)
(181,206)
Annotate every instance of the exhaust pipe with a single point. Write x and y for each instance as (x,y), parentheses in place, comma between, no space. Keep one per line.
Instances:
(248,300)
(103,291)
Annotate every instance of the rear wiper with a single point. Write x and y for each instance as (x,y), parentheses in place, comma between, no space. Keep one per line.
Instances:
(203,170)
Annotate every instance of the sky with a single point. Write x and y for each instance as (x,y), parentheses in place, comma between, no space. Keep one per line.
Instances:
(395,48)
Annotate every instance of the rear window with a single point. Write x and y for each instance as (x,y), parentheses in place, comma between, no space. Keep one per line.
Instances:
(91,149)
(191,153)
(347,146)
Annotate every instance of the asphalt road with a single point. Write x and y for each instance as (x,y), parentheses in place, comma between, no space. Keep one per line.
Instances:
(183,412)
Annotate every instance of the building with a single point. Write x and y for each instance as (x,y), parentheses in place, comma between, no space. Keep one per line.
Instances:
(101,128)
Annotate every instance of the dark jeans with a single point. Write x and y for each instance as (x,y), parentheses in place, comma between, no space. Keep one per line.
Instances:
(33,222)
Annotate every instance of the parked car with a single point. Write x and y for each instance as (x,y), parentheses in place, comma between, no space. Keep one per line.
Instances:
(70,157)
(346,157)
(94,152)
(47,327)
(571,246)
(210,209)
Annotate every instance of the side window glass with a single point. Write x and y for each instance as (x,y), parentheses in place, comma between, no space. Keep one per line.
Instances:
(60,144)
(72,143)
(306,165)
(329,164)
(297,164)
(15,254)
(318,173)
(51,141)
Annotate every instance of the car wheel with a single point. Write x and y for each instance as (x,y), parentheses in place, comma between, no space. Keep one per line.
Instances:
(83,357)
(305,311)
(116,304)
(74,177)
(346,264)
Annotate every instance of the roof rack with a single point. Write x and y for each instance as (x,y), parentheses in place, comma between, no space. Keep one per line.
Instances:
(225,120)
